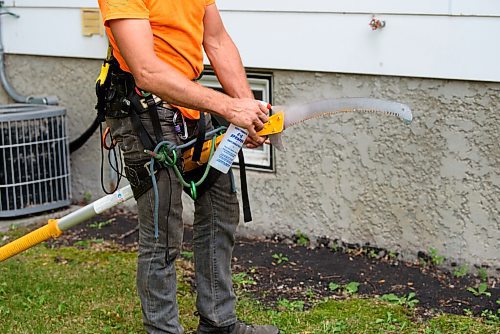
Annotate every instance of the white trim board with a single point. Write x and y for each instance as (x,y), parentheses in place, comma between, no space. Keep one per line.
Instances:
(417,7)
(50,32)
(51,3)
(409,45)
(414,7)
(432,46)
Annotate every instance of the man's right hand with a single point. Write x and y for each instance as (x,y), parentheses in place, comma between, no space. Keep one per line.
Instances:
(249,114)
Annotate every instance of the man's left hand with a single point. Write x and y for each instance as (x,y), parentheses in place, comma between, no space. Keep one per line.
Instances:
(250,143)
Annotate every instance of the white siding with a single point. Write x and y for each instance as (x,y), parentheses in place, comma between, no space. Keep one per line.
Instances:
(415,7)
(410,45)
(49,32)
(422,38)
(52,3)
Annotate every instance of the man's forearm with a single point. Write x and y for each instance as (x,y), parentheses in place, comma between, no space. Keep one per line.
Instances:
(173,87)
(170,85)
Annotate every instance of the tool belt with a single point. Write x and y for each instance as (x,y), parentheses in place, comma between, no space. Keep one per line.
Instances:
(118,97)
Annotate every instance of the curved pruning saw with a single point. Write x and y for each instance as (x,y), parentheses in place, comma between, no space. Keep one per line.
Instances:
(287,116)
(283,118)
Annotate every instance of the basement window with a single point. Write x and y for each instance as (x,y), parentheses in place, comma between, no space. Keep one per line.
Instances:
(260,158)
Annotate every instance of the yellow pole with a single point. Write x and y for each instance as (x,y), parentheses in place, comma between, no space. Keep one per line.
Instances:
(55,227)
(51,230)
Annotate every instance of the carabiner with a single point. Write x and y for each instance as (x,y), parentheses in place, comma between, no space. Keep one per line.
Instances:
(177,127)
(193,191)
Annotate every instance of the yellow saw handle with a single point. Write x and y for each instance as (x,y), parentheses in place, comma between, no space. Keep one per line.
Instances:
(273,126)
(276,124)
(51,230)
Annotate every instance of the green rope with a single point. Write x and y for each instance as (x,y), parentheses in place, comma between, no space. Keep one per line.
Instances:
(170,162)
(161,153)
(163,156)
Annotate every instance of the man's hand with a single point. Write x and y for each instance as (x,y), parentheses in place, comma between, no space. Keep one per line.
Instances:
(249,114)
(250,143)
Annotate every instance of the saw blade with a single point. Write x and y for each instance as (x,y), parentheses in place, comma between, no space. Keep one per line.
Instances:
(296,114)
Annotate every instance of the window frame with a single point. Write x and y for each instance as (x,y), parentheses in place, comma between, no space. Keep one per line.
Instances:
(255,159)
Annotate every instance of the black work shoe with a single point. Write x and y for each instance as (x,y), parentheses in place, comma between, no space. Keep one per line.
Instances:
(242,328)
(237,328)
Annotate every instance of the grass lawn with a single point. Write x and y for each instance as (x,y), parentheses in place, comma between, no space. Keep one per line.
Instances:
(69,290)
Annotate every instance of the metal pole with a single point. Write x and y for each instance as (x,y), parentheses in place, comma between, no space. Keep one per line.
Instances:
(55,227)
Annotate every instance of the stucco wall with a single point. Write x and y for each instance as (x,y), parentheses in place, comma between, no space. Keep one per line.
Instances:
(370,178)
(358,178)
(72,81)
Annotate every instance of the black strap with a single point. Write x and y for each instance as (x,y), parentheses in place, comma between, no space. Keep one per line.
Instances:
(200,138)
(101,88)
(100,92)
(247,213)
(155,119)
(139,128)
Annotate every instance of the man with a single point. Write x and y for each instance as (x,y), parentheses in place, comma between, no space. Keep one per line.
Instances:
(160,43)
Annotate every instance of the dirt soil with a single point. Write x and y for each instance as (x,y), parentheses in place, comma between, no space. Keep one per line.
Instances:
(283,269)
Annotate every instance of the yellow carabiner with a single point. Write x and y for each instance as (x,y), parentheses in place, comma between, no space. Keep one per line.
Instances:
(101,79)
(103,75)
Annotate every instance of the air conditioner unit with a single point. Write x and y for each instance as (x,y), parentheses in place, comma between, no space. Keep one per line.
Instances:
(34,159)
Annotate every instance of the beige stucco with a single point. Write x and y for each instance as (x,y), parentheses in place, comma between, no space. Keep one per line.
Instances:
(357,178)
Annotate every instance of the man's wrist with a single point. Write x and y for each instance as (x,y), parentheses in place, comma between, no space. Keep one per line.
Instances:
(225,108)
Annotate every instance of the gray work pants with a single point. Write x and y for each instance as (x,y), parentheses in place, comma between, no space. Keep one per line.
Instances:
(215,220)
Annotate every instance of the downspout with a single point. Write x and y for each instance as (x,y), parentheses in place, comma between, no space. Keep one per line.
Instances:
(49,100)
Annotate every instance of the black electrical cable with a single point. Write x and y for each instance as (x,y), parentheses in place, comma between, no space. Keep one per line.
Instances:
(115,188)
(119,173)
(77,143)
(118,161)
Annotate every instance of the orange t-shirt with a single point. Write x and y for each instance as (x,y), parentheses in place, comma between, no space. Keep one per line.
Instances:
(177,27)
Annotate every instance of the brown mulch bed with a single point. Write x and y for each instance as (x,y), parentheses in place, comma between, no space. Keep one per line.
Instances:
(306,273)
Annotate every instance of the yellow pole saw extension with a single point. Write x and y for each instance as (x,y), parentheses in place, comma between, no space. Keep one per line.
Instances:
(281,120)
(55,227)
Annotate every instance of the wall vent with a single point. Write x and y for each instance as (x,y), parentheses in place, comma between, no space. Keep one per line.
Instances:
(91,22)
(34,159)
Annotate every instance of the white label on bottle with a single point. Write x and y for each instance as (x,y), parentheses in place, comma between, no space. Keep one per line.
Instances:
(228,148)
